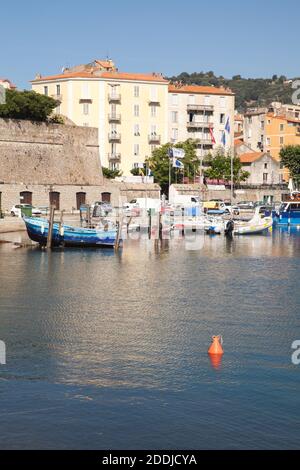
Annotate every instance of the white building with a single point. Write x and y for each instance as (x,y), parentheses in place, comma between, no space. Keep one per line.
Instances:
(201,113)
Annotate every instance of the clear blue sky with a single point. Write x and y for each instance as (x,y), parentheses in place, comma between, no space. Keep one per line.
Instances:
(252,38)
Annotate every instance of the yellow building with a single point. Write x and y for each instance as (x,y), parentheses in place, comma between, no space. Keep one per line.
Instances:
(281,130)
(129,110)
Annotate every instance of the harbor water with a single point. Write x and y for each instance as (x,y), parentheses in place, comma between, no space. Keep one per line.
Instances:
(109,351)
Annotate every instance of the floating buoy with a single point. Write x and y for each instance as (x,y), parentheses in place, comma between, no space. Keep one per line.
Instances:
(216,346)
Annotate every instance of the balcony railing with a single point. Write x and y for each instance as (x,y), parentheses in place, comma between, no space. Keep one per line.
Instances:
(199,107)
(203,140)
(114,137)
(197,124)
(114,98)
(154,101)
(114,117)
(115,157)
(154,139)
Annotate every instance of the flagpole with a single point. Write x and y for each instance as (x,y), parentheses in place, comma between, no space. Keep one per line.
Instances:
(169,175)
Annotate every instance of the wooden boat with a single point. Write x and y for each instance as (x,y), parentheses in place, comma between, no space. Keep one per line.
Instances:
(258,224)
(66,235)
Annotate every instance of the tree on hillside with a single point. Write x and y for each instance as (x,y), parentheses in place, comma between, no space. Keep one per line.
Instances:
(27,105)
(219,168)
(159,164)
(290,158)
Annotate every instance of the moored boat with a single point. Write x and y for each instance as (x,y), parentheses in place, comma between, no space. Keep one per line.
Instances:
(68,236)
(289,211)
(258,224)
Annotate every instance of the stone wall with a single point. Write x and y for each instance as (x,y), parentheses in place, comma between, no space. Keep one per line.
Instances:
(39,153)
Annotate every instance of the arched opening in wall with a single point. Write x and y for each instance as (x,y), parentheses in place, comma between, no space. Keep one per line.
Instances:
(80,199)
(54,198)
(26,197)
(106,197)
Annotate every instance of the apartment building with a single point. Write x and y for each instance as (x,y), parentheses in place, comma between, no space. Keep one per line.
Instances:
(254,128)
(129,110)
(201,113)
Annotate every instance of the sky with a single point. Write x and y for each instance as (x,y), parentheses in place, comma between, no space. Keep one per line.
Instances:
(250,38)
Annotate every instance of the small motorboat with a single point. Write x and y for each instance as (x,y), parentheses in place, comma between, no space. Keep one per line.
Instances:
(68,236)
(258,224)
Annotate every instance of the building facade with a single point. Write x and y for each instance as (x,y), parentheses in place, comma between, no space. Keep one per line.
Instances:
(129,110)
(263,168)
(201,113)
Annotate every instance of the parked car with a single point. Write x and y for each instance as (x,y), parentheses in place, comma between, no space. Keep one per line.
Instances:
(16,211)
(246,205)
(101,209)
(229,209)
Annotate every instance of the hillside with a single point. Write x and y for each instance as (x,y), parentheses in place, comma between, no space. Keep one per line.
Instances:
(250,92)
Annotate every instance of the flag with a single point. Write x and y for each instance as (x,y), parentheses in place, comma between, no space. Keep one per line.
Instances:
(170,152)
(227,127)
(149,172)
(177,164)
(213,140)
(223,140)
(178,153)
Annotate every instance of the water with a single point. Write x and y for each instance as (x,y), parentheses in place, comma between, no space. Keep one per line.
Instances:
(110,351)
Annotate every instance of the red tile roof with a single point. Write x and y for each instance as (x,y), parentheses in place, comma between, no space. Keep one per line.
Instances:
(206,90)
(153,77)
(250,157)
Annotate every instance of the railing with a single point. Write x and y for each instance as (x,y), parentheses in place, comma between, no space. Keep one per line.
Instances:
(203,140)
(114,136)
(116,157)
(199,107)
(153,138)
(114,117)
(155,101)
(114,97)
(196,124)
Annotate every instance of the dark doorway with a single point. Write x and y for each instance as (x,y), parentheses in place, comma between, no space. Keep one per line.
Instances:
(105,197)
(80,199)
(26,197)
(54,199)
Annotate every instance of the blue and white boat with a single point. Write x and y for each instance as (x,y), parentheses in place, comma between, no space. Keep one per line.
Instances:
(289,211)
(68,236)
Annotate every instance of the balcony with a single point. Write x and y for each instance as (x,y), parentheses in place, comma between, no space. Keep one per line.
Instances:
(198,124)
(154,102)
(203,140)
(114,117)
(199,107)
(114,157)
(114,137)
(114,98)
(154,139)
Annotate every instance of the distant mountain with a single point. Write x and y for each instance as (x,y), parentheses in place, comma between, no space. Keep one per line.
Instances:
(250,92)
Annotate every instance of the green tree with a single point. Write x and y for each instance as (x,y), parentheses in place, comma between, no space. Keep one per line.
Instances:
(110,174)
(136,171)
(160,163)
(27,105)
(219,168)
(290,158)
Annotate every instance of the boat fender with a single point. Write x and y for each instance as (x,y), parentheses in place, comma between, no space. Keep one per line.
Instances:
(62,231)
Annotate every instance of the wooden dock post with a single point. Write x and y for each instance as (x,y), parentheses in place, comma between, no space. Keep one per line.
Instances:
(119,233)
(50,229)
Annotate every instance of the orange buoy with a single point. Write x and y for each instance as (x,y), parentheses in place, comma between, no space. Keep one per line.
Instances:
(216,347)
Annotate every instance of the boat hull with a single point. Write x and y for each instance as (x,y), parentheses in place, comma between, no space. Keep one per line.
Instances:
(37,230)
(286,218)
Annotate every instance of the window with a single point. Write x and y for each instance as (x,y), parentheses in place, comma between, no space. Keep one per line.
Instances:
(174,135)
(174,100)
(153,130)
(249,133)
(136,110)
(266,166)
(136,150)
(268,140)
(86,109)
(46,90)
(58,89)
(262,125)
(222,118)
(281,140)
(222,102)
(249,120)
(136,91)
(153,95)
(174,116)
(136,129)
(265,177)
(207,100)
(281,127)
(153,111)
